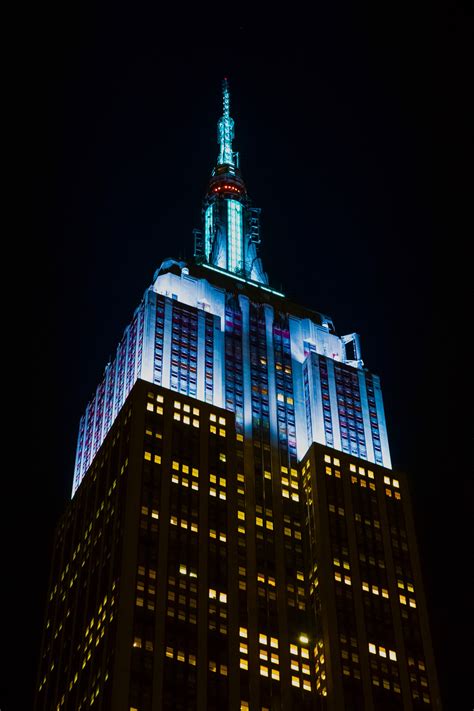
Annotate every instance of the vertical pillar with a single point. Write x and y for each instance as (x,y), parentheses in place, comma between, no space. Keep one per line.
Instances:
(167,331)
(149,330)
(364,403)
(201,355)
(333,402)
(387,462)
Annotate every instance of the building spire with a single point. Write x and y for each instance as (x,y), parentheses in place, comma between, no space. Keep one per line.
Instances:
(225,129)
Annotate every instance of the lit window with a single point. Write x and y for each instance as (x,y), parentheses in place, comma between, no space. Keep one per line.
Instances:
(293,649)
(372,648)
(275,674)
(137,642)
(395,483)
(262,638)
(295,681)
(263,670)
(383,652)
(147,456)
(222,597)
(386,480)
(274,642)
(392,655)
(243,648)
(304,639)
(243,632)
(244,664)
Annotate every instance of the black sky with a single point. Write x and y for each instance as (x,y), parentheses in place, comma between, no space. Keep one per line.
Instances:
(346,119)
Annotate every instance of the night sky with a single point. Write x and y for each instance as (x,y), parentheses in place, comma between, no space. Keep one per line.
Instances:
(345,119)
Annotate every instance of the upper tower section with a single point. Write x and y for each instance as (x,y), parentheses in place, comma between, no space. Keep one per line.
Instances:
(231,231)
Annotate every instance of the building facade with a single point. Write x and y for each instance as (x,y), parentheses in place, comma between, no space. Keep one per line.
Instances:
(196,565)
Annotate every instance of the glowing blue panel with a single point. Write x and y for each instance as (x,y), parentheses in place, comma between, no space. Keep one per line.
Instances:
(209,230)
(234,242)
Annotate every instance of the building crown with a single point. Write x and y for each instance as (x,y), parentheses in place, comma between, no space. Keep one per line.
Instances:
(230,236)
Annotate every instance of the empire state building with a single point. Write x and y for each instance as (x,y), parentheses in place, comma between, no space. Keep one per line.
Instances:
(236,537)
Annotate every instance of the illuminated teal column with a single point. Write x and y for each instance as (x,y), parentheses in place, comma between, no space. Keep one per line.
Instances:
(234,236)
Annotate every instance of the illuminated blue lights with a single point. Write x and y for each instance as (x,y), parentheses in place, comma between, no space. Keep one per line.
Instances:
(234,241)
(225,130)
(209,230)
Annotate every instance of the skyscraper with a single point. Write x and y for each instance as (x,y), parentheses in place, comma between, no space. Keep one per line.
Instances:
(236,536)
